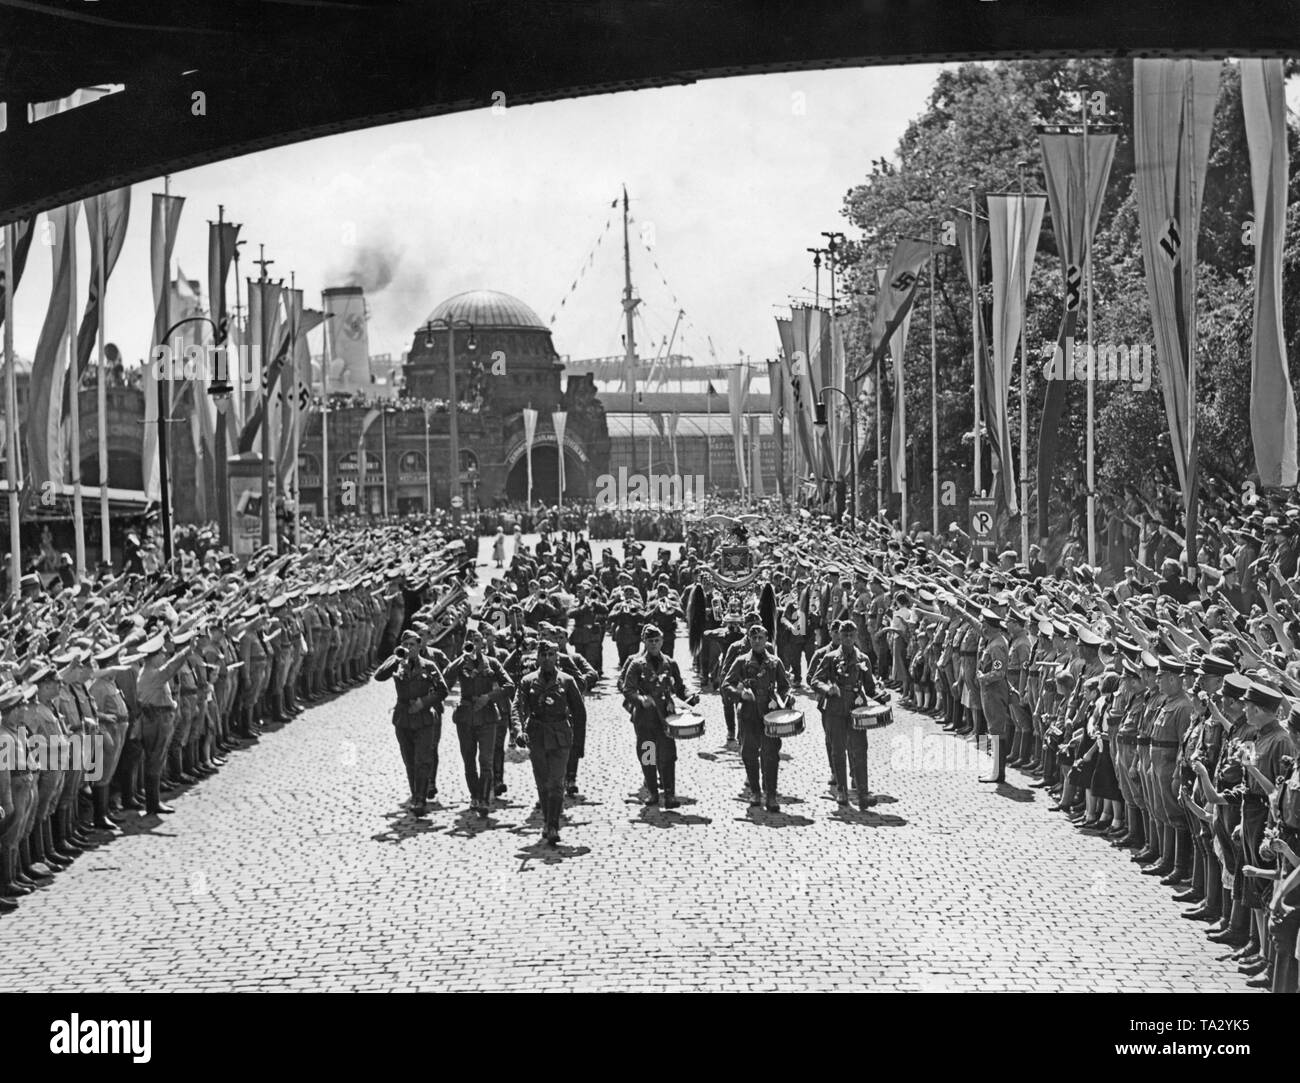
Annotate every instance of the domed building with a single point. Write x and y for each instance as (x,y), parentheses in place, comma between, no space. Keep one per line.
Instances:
(505,362)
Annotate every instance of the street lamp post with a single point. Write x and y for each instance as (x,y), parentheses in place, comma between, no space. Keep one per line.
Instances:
(220,390)
(819,419)
(453,402)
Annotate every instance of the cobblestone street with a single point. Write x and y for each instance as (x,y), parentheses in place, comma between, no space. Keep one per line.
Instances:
(297,868)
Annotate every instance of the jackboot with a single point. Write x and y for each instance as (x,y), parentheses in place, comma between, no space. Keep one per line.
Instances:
(1182,869)
(1167,854)
(1195,893)
(668,777)
(651,784)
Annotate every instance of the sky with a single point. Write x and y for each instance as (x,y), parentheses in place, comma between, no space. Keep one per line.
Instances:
(730,181)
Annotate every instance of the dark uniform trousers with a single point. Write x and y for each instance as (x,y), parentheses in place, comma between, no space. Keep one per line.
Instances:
(844,743)
(421,686)
(550,710)
(760,753)
(478,735)
(156,727)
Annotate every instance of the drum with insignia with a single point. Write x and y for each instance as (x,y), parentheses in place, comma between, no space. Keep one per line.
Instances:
(682,726)
(871,715)
(783,723)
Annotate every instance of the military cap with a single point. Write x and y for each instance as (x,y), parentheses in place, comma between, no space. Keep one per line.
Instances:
(10,696)
(1264,695)
(1236,685)
(1046,628)
(278,602)
(991,618)
(1213,665)
(1170,664)
(181,638)
(108,652)
(1017,615)
(65,658)
(1131,667)
(41,671)
(1089,638)
(1150,662)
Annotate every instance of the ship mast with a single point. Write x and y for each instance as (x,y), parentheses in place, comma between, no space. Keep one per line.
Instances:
(629,335)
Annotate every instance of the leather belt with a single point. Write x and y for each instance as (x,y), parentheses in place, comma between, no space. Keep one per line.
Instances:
(967,654)
(1126,740)
(1163,744)
(1142,740)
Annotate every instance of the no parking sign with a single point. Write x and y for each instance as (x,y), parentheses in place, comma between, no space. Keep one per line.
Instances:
(982,519)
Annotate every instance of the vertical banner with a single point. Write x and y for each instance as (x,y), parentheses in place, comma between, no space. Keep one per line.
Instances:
(45,391)
(806,366)
(776,393)
(1272,402)
(284,400)
(530,433)
(112,228)
(755,458)
(1173,114)
(270,340)
(673,419)
(558,418)
(1074,221)
(1014,224)
(24,228)
(973,241)
(738,398)
(164,217)
(350,357)
(801,425)
(898,427)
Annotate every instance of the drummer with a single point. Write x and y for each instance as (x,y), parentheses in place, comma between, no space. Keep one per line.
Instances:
(648,683)
(756,680)
(843,681)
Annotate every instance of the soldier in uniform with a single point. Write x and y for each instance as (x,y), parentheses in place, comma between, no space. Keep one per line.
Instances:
(648,684)
(549,705)
(158,716)
(483,684)
(967,652)
(589,619)
(1197,743)
(1019,652)
(843,680)
(1167,732)
(626,617)
(994,690)
(417,715)
(757,679)
(114,722)
(17,798)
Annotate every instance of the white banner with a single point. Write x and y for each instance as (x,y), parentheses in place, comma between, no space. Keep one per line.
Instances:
(530,431)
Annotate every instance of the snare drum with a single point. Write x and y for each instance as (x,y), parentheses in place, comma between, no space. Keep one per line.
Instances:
(783,723)
(684,725)
(872,715)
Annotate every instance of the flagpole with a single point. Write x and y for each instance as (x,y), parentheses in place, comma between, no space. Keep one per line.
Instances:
(975,334)
(708,436)
(1024,400)
(901,407)
(165,384)
(74,409)
(268,495)
(101,390)
(1087,275)
(1191,471)
(934,402)
(297,435)
(325,418)
(383,451)
(880,464)
(11,420)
